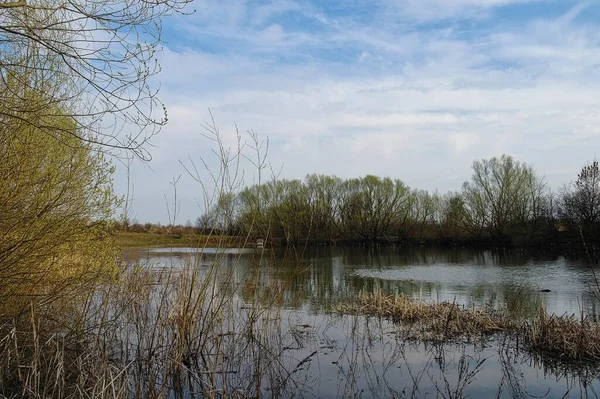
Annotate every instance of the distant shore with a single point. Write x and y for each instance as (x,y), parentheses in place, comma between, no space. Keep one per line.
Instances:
(149,240)
(567,243)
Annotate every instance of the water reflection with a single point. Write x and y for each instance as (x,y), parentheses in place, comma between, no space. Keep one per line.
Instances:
(318,278)
(370,360)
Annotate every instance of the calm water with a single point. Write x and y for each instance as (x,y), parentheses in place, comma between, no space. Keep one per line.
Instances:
(354,356)
(315,279)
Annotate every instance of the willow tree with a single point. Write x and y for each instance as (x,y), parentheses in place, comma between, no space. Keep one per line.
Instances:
(502,196)
(97,56)
(55,197)
(451,216)
(323,194)
(423,211)
(369,207)
(290,211)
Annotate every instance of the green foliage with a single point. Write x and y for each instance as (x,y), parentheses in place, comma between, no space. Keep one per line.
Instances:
(505,202)
(451,216)
(55,197)
(423,211)
(502,196)
(371,206)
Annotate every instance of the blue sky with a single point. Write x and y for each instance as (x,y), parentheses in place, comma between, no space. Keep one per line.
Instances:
(411,89)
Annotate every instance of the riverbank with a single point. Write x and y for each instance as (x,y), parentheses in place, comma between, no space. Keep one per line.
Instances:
(568,243)
(155,240)
(561,241)
(570,338)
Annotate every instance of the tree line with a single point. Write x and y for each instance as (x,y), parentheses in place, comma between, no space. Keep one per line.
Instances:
(505,202)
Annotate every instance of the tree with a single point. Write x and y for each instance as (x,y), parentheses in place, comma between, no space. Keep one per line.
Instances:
(423,210)
(370,206)
(451,216)
(502,196)
(55,197)
(290,211)
(89,61)
(255,216)
(323,194)
(220,216)
(581,206)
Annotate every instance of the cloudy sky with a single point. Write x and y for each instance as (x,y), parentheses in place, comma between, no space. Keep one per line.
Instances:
(411,89)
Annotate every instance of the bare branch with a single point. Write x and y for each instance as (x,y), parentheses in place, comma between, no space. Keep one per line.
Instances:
(95,58)
(19,3)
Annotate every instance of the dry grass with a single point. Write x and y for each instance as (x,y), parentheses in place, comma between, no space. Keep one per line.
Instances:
(566,337)
(570,337)
(150,333)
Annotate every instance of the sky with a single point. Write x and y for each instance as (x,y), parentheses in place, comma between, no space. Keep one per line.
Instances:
(411,89)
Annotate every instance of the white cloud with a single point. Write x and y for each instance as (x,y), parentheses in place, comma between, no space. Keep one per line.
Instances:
(421,106)
(462,141)
(431,10)
(364,56)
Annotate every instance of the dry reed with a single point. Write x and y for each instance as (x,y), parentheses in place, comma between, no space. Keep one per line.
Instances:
(151,333)
(567,337)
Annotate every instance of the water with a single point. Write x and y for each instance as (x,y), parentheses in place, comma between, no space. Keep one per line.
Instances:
(364,357)
(334,356)
(317,278)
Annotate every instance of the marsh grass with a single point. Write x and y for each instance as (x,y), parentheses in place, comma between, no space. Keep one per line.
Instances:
(153,333)
(570,338)
(186,332)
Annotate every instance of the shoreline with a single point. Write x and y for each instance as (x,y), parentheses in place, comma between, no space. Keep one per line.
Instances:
(157,240)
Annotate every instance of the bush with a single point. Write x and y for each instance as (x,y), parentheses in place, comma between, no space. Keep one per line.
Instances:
(55,197)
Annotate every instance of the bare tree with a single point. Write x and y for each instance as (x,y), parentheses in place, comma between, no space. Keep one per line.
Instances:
(94,58)
(580,208)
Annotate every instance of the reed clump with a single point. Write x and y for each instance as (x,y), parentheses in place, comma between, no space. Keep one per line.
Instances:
(569,338)
(437,321)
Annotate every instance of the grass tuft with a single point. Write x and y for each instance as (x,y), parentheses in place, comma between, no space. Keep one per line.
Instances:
(570,338)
